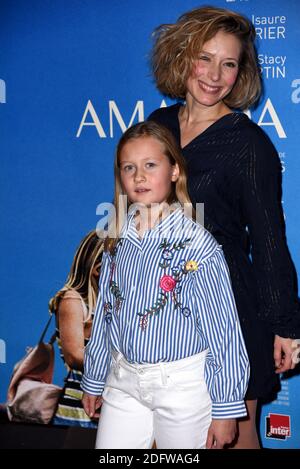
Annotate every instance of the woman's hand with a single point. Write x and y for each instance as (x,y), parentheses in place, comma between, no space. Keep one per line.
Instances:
(221,432)
(91,403)
(283,351)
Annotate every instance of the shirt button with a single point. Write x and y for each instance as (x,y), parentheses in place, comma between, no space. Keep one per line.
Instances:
(141,372)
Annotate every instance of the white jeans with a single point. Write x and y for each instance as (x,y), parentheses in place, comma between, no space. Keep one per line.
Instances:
(168,402)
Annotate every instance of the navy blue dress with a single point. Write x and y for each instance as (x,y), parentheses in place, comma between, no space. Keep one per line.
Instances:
(233,168)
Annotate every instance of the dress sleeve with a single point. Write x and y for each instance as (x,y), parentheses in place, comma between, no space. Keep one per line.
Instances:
(97,354)
(227,365)
(275,274)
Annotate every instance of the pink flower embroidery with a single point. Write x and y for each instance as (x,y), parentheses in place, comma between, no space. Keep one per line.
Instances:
(167,283)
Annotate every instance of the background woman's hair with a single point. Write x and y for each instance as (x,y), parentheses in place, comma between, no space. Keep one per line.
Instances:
(171,149)
(81,276)
(177,45)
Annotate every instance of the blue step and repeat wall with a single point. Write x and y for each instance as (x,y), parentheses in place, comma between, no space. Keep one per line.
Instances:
(74,75)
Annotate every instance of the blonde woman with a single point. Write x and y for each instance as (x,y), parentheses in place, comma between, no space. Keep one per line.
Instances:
(208,60)
(74,307)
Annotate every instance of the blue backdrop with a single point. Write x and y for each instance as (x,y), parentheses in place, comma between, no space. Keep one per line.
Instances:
(73,76)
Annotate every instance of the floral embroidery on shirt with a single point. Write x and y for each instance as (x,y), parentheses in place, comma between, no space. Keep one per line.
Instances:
(178,272)
(114,289)
(107,312)
(154,310)
(186,311)
(191,266)
(117,294)
(167,254)
(169,284)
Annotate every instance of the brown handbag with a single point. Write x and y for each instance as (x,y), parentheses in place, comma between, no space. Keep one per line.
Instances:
(31,396)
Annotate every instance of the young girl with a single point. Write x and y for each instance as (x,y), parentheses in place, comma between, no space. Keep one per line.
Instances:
(166,359)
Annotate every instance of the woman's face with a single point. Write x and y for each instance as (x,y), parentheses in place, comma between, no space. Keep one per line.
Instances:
(215,71)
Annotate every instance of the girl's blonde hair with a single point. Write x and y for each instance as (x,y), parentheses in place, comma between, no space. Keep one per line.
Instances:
(171,150)
(81,277)
(177,46)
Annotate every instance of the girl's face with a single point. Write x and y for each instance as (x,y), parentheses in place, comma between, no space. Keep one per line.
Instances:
(215,72)
(146,172)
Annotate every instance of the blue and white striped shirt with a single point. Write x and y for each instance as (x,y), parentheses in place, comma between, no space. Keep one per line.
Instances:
(166,297)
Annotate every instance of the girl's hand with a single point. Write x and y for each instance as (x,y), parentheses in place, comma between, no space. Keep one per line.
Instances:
(220,433)
(283,350)
(91,404)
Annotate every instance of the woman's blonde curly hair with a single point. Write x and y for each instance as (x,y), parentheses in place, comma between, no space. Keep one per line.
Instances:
(177,45)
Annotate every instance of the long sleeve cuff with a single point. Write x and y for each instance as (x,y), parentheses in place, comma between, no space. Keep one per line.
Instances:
(91,386)
(228,410)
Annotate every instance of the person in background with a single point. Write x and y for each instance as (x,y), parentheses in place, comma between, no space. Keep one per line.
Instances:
(74,307)
(207,60)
